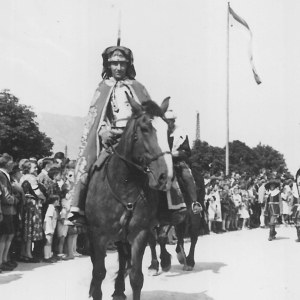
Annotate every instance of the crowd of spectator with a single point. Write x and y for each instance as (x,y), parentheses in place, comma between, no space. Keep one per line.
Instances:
(35,200)
(36,195)
(237,202)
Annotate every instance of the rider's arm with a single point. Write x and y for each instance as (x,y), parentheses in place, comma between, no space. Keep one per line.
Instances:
(184,151)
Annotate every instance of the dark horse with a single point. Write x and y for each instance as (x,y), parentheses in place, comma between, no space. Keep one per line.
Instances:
(123,196)
(190,227)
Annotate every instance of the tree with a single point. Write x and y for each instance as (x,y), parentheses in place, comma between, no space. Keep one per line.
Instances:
(19,133)
(270,159)
(207,158)
(242,159)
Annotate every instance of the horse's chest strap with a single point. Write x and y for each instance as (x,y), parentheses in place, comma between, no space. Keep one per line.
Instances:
(124,221)
(129,207)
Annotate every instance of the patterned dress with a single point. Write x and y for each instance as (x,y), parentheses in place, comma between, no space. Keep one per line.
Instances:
(32,225)
(32,221)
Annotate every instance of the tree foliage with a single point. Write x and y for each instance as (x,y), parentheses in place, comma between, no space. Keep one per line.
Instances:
(242,159)
(19,133)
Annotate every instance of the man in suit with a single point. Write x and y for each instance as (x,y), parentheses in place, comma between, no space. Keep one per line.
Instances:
(8,201)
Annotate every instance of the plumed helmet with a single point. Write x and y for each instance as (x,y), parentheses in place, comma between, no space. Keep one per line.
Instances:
(115,54)
(170,115)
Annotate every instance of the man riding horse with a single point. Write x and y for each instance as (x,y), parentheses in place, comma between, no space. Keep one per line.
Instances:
(107,118)
(181,151)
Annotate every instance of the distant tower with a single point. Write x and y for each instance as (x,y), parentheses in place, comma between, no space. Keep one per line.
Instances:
(198,127)
(66,151)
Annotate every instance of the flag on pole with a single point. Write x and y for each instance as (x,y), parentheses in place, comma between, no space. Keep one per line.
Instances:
(243,22)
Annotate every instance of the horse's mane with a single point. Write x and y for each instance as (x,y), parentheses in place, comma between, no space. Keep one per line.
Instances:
(152,109)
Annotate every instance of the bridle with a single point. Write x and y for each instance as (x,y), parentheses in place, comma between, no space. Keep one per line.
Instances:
(144,167)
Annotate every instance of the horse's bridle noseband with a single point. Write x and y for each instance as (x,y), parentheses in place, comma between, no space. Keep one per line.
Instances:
(144,167)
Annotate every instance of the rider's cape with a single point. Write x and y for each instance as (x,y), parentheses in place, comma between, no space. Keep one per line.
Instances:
(90,146)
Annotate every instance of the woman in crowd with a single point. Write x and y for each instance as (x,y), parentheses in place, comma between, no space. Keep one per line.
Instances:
(225,207)
(32,217)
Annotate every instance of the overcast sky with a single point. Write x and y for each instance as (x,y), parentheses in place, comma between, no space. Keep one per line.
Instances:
(51,59)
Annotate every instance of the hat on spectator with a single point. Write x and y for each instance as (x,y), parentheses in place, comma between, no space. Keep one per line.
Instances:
(40,162)
(272,182)
(22,162)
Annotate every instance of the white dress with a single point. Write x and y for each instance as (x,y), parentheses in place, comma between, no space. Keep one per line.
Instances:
(50,220)
(214,209)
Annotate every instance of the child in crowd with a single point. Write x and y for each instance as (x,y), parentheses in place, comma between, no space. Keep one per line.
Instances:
(225,207)
(49,227)
(63,227)
(237,200)
(55,176)
(214,209)
(244,210)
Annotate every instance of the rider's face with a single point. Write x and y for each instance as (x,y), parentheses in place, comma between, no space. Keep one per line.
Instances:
(171,125)
(118,69)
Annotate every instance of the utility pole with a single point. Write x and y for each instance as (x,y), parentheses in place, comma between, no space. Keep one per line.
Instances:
(198,127)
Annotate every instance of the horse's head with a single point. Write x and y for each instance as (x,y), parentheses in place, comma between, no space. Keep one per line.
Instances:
(147,142)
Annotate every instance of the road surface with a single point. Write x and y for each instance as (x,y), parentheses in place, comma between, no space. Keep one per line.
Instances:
(236,265)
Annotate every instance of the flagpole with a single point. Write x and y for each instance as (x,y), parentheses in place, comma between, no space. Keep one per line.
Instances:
(227,98)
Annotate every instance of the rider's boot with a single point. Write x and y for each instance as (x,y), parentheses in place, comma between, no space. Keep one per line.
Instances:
(78,203)
(190,184)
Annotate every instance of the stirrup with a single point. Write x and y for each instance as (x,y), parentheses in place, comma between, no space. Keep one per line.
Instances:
(196,207)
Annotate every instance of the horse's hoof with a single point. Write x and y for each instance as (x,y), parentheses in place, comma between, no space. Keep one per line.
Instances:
(152,272)
(187,268)
(180,258)
(119,297)
(166,269)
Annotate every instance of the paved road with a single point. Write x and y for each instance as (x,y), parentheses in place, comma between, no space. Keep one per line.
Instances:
(237,265)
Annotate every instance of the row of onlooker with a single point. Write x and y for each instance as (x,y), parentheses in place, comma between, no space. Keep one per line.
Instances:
(35,199)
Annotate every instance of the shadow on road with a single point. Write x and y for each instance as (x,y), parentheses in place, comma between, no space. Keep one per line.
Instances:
(9,278)
(166,295)
(199,267)
(282,238)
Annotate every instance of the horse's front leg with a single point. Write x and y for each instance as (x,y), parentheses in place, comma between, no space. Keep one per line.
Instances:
(165,257)
(180,229)
(154,267)
(136,275)
(98,242)
(124,251)
(194,230)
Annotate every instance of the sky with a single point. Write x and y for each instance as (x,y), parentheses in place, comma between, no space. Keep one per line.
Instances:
(51,60)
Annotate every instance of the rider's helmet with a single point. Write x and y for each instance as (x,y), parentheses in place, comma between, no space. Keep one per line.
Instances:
(115,54)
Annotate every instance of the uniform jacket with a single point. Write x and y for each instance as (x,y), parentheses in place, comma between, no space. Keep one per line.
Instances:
(6,195)
(273,206)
